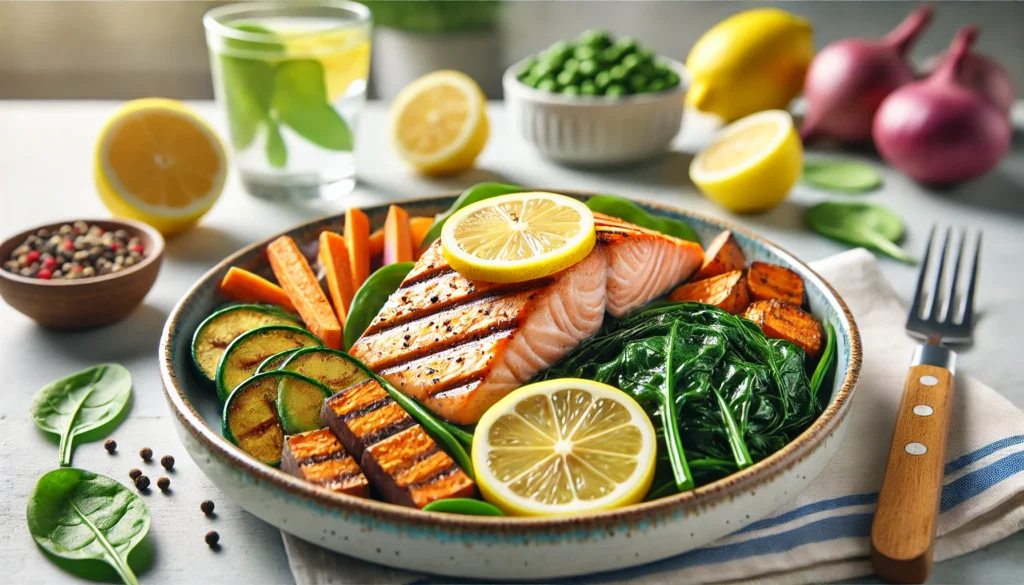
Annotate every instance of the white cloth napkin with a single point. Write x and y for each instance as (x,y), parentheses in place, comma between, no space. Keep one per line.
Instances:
(822,535)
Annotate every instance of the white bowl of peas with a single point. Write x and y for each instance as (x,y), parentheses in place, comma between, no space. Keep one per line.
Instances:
(596,101)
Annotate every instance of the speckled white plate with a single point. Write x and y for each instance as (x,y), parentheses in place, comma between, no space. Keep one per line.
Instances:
(501,548)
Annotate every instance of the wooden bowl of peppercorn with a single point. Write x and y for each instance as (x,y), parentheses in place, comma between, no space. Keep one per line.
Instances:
(80,274)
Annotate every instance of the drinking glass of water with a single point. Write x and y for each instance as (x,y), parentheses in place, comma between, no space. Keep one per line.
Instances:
(291,77)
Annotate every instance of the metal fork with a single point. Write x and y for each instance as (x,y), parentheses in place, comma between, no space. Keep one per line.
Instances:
(903,531)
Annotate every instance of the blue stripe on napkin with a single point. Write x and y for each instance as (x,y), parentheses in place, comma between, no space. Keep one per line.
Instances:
(965,460)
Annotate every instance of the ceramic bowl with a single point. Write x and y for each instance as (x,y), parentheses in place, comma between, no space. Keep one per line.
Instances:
(595,130)
(502,548)
(87,302)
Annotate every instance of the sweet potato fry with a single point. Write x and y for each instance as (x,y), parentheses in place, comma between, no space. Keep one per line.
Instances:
(726,291)
(357,239)
(334,258)
(768,281)
(723,255)
(377,243)
(782,320)
(418,227)
(298,281)
(242,285)
(398,245)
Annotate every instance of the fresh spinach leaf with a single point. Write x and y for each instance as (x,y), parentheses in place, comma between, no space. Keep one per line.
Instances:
(626,210)
(477,192)
(860,224)
(300,101)
(79,515)
(841,176)
(827,357)
(81,402)
(370,299)
(735,395)
(277,152)
(465,506)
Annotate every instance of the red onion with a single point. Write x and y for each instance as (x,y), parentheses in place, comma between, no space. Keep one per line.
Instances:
(984,75)
(848,80)
(938,130)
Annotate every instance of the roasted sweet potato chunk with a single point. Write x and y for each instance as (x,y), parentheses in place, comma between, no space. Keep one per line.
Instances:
(726,291)
(319,458)
(768,281)
(782,320)
(722,255)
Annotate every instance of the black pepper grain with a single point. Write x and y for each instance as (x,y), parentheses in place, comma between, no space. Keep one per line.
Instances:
(146,453)
(134,474)
(110,445)
(212,538)
(163,483)
(142,483)
(206,507)
(167,461)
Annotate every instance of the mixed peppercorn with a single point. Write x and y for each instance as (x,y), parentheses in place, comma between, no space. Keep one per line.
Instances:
(73,251)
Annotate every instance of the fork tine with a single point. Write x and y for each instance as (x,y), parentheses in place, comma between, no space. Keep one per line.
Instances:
(952,309)
(969,300)
(919,292)
(936,304)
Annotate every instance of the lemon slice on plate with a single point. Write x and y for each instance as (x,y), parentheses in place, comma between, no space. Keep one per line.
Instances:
(438,123)
(564,446)
(518,237)
(159,163)
(752,163)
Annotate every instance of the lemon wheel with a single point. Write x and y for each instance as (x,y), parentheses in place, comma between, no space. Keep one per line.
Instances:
(438,123)
(752,163)
(518,237)
(564,446)
(158,162)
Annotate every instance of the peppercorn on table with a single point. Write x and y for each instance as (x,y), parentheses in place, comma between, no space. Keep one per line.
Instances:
(46,175)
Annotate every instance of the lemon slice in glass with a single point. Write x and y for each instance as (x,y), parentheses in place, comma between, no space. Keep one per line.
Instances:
(565,446)
(518,237)
(752,164)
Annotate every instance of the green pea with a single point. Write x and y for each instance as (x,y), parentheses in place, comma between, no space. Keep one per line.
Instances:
(646,68)
(617,73)
(527,65)
(602,80)
(555,61)
(530,80)
(615,90)
(541,69)
(571,90)
(568,77)
(571,65)
(596,38)
(672,79)
(630,62)
(645,55)
(662,70)
(656,85)
(637,83)
(611,55)
(547,84)
(626,45)
(560,49)
(588,88)
(588,68)
(584,52)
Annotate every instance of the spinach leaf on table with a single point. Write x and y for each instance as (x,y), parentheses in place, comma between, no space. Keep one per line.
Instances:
(734,395)
(80,515)
(860,224)
(81,402)
(840,176)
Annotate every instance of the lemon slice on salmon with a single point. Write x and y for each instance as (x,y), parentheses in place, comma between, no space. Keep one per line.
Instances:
(565,446)
(439,122)
(752,163)
(518,237)
(158,162)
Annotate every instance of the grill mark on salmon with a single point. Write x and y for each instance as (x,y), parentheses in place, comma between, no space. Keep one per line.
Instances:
(318,457)
(434,345)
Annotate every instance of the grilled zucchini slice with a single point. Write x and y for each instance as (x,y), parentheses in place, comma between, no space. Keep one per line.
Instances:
(251,349)
(222,327)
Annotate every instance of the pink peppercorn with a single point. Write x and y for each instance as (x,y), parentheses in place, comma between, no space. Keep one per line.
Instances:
(137,248)
(69,245)
(49,263)
(115,246)
(45,274)
(32,256)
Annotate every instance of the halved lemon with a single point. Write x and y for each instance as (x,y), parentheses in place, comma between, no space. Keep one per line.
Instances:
(518,237)
(564,446)
(438,123)
(752,164)
(158,162)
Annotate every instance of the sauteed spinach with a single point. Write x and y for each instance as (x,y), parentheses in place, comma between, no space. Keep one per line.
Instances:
(722,395)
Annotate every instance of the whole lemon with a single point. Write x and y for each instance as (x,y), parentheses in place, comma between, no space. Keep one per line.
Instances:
(752,61)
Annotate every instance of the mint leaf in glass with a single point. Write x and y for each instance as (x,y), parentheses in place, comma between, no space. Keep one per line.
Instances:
(300,101)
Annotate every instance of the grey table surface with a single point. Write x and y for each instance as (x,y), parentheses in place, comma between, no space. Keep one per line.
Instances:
(46,151)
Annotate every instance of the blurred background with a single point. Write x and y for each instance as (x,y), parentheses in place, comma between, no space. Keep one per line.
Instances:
(124,49)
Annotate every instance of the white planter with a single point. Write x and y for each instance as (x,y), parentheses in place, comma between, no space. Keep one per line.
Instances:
(399,57)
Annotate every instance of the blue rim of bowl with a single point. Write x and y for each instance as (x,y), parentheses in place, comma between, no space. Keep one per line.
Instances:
(513,86)
(641,514)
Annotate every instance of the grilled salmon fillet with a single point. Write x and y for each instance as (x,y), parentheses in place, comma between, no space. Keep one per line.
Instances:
(318,457)
(458,345)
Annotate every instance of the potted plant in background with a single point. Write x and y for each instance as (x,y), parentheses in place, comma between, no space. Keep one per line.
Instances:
(415,37)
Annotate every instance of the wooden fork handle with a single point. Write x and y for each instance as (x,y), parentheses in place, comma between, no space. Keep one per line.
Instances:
(903,532)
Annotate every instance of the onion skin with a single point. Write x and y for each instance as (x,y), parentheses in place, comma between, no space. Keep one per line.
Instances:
(939,131)
(848,80)
(984,74)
